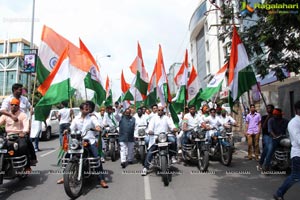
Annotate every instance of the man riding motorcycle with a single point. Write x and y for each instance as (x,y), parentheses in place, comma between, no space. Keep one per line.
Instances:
(158,124)
(190,121)
(19,127)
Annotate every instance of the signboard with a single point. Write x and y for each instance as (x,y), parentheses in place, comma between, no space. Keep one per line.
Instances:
(29,63)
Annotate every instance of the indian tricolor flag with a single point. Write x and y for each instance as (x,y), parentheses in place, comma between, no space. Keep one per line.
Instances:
(194,89)
(93,80)
(181,80)
(51,47)
(57,86)
(215,84)
(163,90)
(109,100)
(124,87)
(241,76)
(138,68)
(151,91)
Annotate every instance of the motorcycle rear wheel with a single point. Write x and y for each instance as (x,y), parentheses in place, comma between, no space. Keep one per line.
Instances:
(73,187)
(112,151)
(226,155)
(164,170)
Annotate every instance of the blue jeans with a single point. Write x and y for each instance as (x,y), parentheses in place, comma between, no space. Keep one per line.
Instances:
(36,141)
(292,179)
(185,137)
(149,155)
(94,149)
(62,127)
(266,154)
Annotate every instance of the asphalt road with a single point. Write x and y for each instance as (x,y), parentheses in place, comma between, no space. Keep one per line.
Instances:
(239,181)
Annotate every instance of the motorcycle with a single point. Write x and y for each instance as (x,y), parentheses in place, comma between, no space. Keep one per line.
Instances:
(161,157)
(12,162)
(220,146)
(281,157)
(197,149)
(140,145)
(78,164)
(110,136)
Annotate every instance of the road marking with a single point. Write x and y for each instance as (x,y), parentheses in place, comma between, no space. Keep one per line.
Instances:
(45,154)
(147,188)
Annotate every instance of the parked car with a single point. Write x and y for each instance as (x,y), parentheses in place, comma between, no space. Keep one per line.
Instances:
(52,127)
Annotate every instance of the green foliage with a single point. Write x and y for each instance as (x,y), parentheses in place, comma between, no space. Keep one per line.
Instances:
(272,42)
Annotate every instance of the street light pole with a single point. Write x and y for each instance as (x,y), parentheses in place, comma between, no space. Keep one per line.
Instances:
(31,47)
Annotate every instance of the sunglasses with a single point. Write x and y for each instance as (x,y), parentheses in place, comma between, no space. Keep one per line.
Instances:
(14,104)
(160,110)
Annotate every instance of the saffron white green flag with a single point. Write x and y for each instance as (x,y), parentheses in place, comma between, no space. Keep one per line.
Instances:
(194,89)
(215,84)
(151,92)
(241,77)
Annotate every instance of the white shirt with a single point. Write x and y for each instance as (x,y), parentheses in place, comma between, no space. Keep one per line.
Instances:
(213,121)
(294,131)
(24,104)
(192,121)
(110,119)
(159,124)
(139,121)
(227,119)
(82,124)
(64,114)
(36,127)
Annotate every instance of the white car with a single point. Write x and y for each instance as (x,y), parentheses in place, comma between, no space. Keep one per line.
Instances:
(52,126)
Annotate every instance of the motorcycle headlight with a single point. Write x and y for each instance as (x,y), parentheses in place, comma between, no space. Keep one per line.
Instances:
(16,146)
(201,134)
(141,132)
(1,143)
(285,142)
(74,144)
(162,137)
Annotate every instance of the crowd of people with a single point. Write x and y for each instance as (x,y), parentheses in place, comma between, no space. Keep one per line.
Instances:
(16,109)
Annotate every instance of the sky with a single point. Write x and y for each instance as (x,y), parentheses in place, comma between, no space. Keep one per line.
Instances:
(107,28)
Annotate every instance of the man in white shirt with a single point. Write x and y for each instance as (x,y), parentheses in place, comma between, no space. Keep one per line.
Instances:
(64,118)
(110,119)
(25,106)
(140,121)
(294,131)
(86,122)
(190,121)
(211,123)
(158,124)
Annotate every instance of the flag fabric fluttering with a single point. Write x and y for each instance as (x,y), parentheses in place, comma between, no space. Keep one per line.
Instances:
(162,87)
(137,67)
(124,87)
(151,92)
(109,100)
(93,80)
(194,89)
(241,76)
(51,47)
(57,86)
(181,79)
(215,84)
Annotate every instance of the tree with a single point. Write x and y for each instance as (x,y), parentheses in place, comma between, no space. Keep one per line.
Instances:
(272,41)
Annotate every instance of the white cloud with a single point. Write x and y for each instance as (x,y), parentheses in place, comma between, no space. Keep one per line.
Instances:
(107,27)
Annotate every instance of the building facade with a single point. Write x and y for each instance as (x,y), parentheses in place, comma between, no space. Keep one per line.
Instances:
(11,64)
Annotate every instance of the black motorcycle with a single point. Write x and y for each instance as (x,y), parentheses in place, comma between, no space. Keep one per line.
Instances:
(12,162)
(281,159)
(110,136)
(162,159)
(220,146)
(78,164)
(197,149)
(140,145)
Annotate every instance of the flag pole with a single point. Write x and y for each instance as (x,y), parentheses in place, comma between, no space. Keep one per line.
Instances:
(262,96)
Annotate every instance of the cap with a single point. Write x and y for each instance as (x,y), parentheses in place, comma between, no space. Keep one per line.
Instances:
(15,101)
(277,112)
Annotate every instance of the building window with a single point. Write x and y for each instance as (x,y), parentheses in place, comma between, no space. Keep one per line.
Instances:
(1,48)
(207,46)
(13,47)
(208,67)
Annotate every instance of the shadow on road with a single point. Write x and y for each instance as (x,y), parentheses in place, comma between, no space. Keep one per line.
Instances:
(15,185)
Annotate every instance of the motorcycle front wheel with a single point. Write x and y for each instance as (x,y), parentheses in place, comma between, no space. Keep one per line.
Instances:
(164,170)
(73,187)
(203,160)
(142,153)
(226,155)
(1,166)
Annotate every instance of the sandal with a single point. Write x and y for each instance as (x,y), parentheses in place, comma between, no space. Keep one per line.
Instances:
(60,181)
